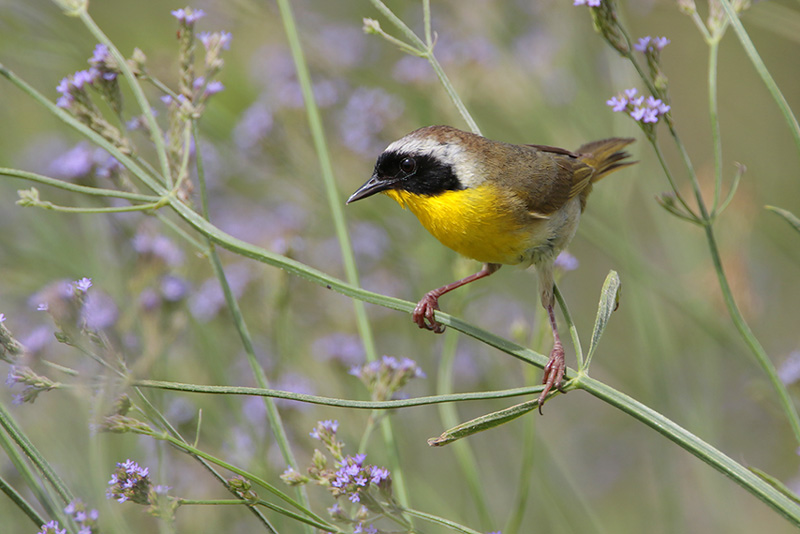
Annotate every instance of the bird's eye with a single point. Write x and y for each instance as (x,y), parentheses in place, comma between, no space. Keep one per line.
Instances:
(408,165)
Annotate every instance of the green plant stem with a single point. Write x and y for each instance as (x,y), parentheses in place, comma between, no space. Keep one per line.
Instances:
(75,209)
(260,502)
(573,330)
(716,138)
(18,436)
(20,502)
(341,403)
(75,188)
(762,71)
(441,521)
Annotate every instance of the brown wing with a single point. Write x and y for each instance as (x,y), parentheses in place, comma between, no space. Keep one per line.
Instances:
(546,178)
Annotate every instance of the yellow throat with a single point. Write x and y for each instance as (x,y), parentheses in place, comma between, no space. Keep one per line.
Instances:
(476,222)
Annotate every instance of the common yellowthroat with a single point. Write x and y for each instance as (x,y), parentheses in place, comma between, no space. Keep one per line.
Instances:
(498,203)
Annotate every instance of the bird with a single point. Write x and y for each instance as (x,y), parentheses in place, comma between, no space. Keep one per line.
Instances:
(497,203)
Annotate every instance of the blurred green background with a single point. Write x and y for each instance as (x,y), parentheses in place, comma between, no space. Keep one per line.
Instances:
(530,72)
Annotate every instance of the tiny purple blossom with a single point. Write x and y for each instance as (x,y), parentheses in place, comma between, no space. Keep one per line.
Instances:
(660,42)
(650,115)
(631,93)
(617,103)
(642,45)
(651,43)
(590,3)
(214,88)
(100,53)
(52,527)
(83,284)
(2,317)
(188,15)
(205,38)
(638,113)
(225,39)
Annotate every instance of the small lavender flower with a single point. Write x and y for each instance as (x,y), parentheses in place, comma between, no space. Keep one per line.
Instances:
(187,15)
(52,527)
(2,317)
(590,3)
(213,88)
(651,44)
(361,529)
(324,427)
(104,62)
(385,377)
(129,482)
(566,262)
(83,284)
(647,110)
(221,40)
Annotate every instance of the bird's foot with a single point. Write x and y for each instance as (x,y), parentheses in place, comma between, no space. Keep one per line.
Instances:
(553,373)
(423,313)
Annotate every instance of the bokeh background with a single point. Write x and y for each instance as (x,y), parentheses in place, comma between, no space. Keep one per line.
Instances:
(529,71)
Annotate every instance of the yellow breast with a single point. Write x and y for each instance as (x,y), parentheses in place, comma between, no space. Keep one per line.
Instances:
(483,223)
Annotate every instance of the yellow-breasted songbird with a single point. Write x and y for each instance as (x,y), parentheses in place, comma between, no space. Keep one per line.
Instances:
(494,202)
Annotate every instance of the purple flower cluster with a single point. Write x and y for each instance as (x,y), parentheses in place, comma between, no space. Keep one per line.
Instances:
(651,44)
(129,482)
(646,110)
(354,477)
(323,427)
(86,521)
(386,376)
(33,383)
(71,87)
(102,70)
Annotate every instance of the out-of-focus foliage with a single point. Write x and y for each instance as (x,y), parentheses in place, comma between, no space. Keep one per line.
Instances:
(529,71)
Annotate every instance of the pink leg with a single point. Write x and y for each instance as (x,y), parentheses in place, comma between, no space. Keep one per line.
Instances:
(423,314)
(554,370)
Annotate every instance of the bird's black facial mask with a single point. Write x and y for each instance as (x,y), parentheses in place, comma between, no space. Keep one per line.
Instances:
(419,174)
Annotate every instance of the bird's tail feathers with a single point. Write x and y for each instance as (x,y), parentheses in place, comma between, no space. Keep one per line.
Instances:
(605,156)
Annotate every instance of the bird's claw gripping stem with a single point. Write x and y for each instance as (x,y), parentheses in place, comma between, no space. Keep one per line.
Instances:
(424,313)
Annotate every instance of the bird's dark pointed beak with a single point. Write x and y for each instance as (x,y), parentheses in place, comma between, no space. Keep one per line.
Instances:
(372,186)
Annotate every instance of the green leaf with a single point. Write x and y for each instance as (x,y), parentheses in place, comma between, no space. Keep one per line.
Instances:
(787,215)
(609,300)
(484,422)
